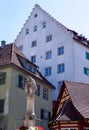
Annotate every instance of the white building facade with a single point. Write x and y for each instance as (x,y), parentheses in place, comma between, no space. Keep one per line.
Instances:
(60,53)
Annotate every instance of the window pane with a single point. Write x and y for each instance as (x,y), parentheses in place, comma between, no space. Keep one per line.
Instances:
(38,90)
(44,25)
(48,55)
(33,59)
(3,78)
(48,71)
(45,93)
(21,81)
(49,38)
(60,50)
(61,68)
(27,31)
(34,43)
(35,28)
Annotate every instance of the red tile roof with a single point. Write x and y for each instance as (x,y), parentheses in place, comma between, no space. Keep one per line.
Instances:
(75,108)
(10,54)
(79,93)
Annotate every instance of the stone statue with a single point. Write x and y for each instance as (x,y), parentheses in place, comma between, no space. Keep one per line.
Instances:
(30,88)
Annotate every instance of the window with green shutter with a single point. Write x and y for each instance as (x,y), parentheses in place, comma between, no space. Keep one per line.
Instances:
(2,78)
(86,71)
(21,81)
(1,106)
(87,55)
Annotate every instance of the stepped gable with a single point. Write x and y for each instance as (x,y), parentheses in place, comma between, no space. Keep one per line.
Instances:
(76,36)
(10,54)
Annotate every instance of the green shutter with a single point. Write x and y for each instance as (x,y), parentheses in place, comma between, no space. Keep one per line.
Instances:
(85,70)
(1,106)
(87,55)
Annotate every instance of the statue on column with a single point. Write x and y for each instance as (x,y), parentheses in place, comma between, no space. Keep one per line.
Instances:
(30,117)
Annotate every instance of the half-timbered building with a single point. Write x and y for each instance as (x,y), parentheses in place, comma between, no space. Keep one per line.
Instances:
(71,111)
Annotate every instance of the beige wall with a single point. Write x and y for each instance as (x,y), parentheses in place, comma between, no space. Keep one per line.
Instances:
(17,98)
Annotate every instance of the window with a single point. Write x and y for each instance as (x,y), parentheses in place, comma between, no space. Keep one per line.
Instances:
(2,78)
(87,55)
(1,105)
(59,84)
(44,25)
(33,59)
(21,81)
(35,28)
(45,93)
(21,47)
(38,90)
(86,71)
(60,50)
(48,55)
(34,43)
(49,38)
(27,31)
(35,15)
(45,114)
(61,68)
(48,71)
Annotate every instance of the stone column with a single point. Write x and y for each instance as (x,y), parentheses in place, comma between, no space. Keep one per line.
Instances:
(30,88)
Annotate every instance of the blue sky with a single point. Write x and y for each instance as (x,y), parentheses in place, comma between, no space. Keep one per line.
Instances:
(73,14)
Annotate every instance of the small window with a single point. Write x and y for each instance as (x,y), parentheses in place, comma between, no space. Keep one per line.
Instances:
(61,68)
(21,47)
(48,71)
(48,38)
(45,114)
(38,90)
(48,55)
(27,31)
(34,43)
(21,81)
(45,93)
(60,50)
(86,71)
(44,25)
(2,78)
(33,59)
(35,28)
(87,55)
(35,15)
(1,105)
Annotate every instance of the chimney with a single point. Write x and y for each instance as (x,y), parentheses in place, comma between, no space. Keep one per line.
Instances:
(3,43)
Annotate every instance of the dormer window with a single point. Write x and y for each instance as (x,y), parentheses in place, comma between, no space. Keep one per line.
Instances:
(27,31)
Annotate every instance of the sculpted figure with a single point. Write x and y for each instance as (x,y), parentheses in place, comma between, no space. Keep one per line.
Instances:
(30,85)
(30,88)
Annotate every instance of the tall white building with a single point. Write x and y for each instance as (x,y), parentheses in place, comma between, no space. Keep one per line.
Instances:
(60,53)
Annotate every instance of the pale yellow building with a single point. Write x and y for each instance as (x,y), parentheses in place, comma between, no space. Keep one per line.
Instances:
(14,67)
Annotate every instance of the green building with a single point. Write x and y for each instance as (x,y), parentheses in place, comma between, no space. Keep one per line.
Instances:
(14,67)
